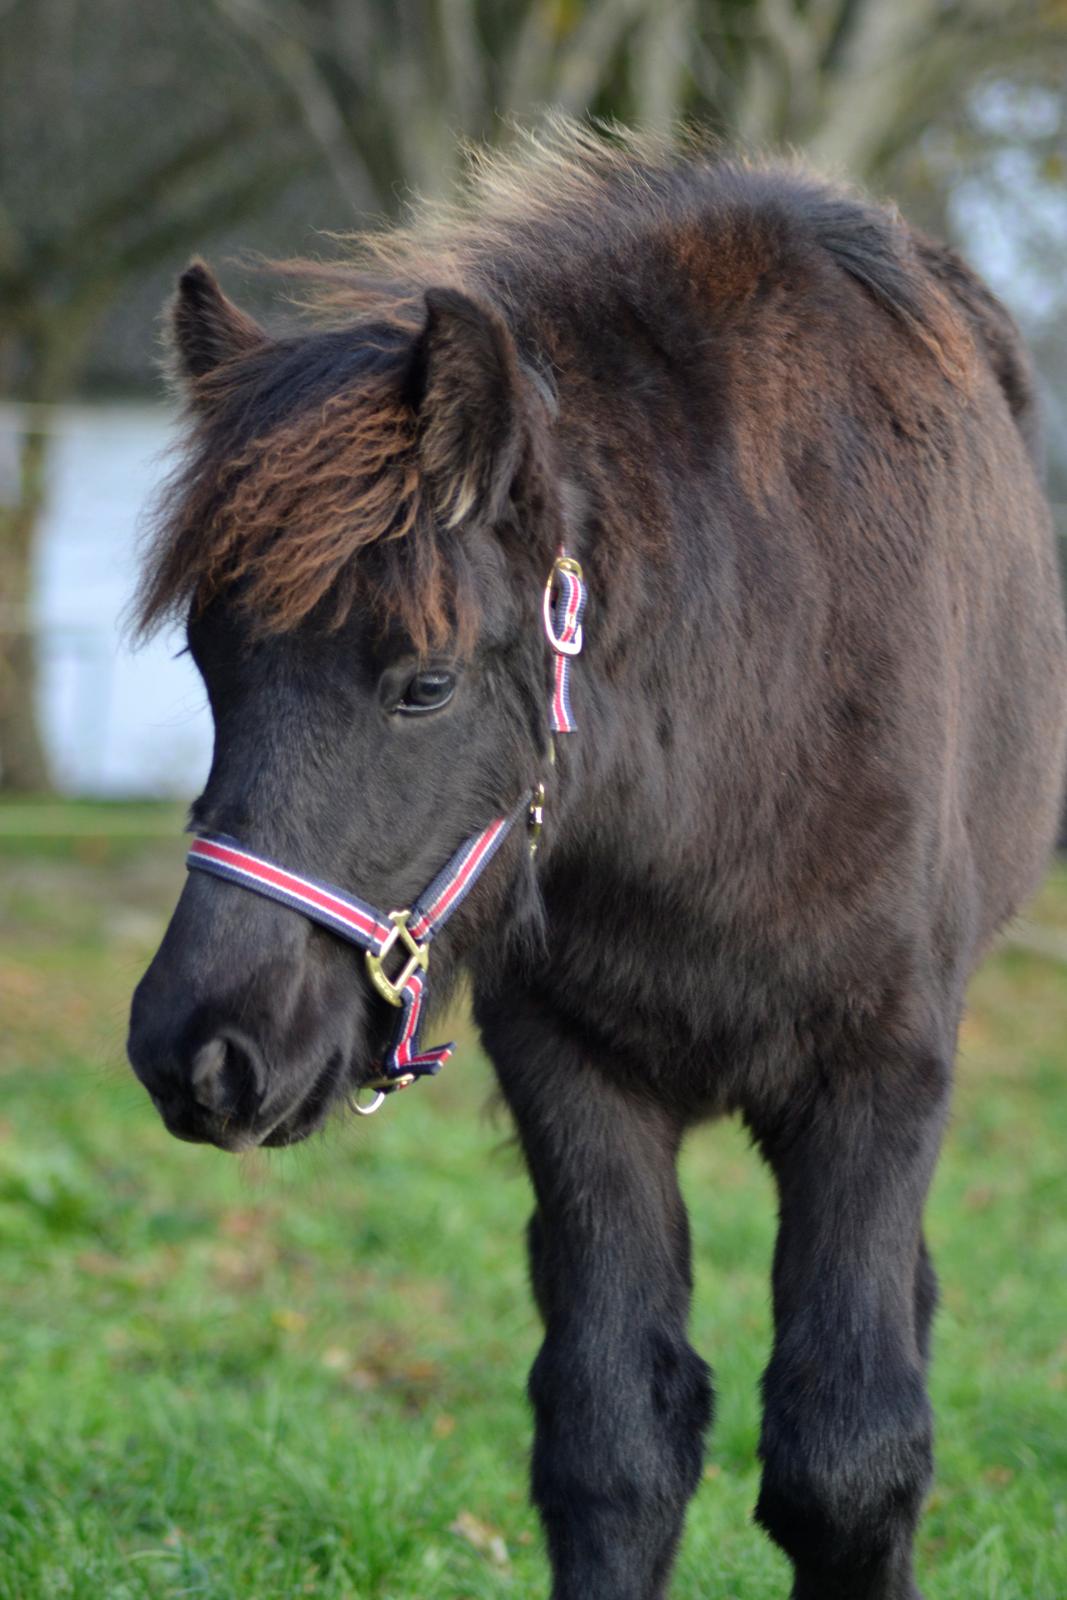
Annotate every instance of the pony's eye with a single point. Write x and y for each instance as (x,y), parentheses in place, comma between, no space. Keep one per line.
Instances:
(428,691)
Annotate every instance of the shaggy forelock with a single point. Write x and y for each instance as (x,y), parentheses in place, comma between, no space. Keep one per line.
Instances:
(278,512)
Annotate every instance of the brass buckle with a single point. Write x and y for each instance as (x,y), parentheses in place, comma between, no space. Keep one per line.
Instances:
(561,564)
(418,955)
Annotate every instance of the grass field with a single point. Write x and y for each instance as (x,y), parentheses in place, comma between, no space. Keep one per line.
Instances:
(303,1375)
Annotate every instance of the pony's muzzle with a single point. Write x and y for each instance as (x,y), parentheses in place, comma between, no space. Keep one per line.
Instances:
(211,1094)
(211,1024)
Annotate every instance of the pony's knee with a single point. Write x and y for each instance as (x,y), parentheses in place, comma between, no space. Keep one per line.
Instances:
(842,1495)
(631,1419)
(682,1402)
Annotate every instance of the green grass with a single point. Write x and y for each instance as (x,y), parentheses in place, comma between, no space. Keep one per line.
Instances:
(304,1375)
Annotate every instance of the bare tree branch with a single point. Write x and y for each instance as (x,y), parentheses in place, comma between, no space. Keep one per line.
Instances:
(294,63)
(527,72)
(464,60)
(661,63)
(590,47)
(864,92)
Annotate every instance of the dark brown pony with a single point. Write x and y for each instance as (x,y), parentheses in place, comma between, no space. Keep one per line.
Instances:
(821,732)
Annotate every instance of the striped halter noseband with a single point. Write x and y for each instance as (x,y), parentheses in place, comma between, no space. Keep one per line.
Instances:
(406,934)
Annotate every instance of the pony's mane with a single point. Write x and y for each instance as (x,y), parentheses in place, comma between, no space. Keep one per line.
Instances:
(304,452)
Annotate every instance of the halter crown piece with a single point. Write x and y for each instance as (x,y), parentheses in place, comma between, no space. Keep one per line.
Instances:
(407,934)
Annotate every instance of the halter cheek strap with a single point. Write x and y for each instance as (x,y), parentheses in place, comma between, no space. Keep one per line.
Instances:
(407,934)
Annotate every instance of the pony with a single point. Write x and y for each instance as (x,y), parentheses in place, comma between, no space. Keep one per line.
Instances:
(783,450)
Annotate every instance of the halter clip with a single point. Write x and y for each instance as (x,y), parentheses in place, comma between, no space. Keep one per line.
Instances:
(375,1103)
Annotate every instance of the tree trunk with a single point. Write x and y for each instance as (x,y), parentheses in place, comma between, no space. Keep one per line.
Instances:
(23,763)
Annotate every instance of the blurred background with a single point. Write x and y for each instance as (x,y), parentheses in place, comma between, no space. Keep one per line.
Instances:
(134,135)
(304,1375)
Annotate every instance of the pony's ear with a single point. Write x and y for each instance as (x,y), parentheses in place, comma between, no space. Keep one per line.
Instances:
(205,327)
(468,393)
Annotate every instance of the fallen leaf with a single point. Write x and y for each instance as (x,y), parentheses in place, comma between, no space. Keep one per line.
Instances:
(487,1541)
(289,1321)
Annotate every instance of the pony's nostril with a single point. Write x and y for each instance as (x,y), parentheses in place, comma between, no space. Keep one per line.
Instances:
(225,1076)
(206,1072)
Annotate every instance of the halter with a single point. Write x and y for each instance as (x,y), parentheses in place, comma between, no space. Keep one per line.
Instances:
(407,933)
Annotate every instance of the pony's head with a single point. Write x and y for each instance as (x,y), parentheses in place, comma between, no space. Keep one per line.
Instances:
(357,541)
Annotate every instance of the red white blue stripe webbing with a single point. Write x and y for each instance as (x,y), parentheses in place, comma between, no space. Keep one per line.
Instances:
(342,913)
(437,902)
(374,931)
(564,606)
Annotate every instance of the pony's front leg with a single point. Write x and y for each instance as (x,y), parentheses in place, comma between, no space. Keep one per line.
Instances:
(847,1431)
(621,1401)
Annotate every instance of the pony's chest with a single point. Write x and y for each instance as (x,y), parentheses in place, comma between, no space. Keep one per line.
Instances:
(663,987)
